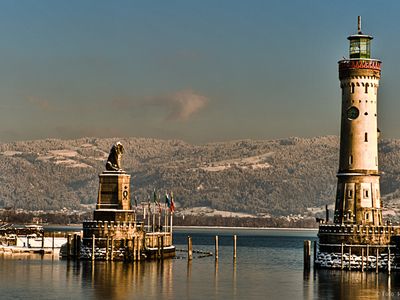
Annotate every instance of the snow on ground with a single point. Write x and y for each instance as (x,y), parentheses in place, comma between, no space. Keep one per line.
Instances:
(209,212)
(22,241)
(252,162)
(64,153)
(11,153)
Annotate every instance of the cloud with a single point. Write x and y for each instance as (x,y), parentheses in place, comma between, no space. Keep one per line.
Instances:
(42,104)
(178,106)
(181,105)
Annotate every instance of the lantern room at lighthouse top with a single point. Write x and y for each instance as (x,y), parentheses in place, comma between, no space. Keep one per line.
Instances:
(360,44)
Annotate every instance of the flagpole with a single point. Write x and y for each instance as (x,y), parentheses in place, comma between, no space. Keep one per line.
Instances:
(159,216)
(154,219)
(170,222)
(165,218)
(148,217)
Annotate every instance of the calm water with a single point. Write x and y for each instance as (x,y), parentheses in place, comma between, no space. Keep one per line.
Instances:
(269,266)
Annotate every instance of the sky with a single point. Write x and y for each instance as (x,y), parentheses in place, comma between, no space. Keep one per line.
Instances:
(199,71)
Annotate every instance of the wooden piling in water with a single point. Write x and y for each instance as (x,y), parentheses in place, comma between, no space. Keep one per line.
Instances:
(68,246)
(341,257)
(234,246)
(307,254)
(74,246)
(108,248)
(162,247)
(93,246)
(42,239)
(315,253)
(158,247)
(367,255)
(216,247)
(112,249)
(349,258)
(134,242)
(138,249)
(362,259)
(190,248)
(78,247)
(377,260)
(389,266)
(52,242)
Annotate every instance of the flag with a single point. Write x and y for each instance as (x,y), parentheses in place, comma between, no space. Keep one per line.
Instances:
(167,200)
(172,206)
(155,196)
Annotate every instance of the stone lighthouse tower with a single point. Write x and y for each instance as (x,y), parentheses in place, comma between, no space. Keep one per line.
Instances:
(358,195)
(358,228)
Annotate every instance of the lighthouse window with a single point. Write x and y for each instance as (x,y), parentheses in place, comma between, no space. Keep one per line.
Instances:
(366,137)
(366,216)
(366,88)
(366,194)
(352,88)
(350,159)
(350,193)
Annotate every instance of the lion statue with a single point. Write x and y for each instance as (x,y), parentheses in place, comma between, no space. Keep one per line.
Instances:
(114,159)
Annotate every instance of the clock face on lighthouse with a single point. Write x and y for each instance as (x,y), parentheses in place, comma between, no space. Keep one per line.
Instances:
(352,113)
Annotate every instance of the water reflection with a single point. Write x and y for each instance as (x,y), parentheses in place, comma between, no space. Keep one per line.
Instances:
(273,270)
(356,285)
(117,280)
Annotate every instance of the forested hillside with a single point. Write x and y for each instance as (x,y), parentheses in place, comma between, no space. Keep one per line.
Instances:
(275,177)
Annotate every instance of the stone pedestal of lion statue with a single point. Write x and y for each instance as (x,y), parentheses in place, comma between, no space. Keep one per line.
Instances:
(113,200)
(115,233)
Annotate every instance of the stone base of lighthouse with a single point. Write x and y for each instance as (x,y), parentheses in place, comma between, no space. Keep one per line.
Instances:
(358,199)
(358,247)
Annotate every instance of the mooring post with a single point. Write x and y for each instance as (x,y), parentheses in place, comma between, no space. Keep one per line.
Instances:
(112,249)
(367,261)
(234,246)
(362,259)
(158,247)
(349,257)
(43,239)
(190,249)
(134,247)
(315,253)
(78,246)
(93,246)
(307,254)
(68,246)
(74,246)
(139,248)
(216,247)
(341,257)
(377,260)
(389,266)
(108,248)
(52,242)
(162,247)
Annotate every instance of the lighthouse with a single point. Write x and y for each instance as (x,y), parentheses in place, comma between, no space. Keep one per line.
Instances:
(358,198)
(358,229)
